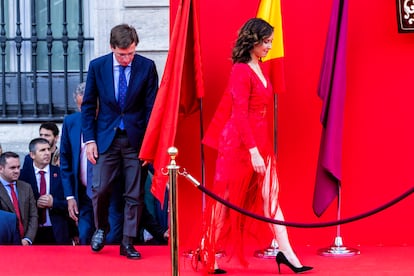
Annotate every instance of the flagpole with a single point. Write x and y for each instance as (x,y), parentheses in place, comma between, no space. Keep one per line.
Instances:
(270,10)
(338,248)
(271,251)
(190,253)
(203,200)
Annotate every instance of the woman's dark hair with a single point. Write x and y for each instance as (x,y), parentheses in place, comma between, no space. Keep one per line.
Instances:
(253,32)
(122,36)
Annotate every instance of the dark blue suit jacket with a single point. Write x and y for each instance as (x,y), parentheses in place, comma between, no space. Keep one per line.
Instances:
(142,89)
(9,232)
(70,148)
(59,212)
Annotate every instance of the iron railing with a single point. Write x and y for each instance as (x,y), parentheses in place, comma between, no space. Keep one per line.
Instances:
(37,94)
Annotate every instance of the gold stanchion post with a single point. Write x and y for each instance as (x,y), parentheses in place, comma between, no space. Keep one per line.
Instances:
(172,173)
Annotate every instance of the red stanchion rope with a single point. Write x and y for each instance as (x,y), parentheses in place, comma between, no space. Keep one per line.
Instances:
(297,224)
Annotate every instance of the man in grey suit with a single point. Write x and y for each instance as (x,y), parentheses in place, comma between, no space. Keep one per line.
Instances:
(11,187)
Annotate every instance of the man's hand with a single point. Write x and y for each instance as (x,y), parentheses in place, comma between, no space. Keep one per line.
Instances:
(75,241)
(73,209)
(92,152)
(25,242)
(45,201)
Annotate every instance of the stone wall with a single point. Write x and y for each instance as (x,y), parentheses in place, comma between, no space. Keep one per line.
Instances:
(16,137)
(149,17)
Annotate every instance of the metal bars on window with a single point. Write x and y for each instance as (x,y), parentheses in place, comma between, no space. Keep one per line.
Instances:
(42,49)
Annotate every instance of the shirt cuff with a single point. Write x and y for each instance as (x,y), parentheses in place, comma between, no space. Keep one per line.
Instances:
(29,240)
(70,197)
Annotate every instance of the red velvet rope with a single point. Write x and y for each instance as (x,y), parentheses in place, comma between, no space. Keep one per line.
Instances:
(305,225)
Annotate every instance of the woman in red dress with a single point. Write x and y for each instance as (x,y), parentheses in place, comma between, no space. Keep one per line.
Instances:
(245,167)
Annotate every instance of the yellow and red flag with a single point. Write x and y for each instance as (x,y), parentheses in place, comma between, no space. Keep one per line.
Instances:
(270,10)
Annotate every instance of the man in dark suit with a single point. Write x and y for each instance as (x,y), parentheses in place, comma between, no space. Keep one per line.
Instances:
(50,132)
(9,175)
(76,183)
(52,206)
(123,84)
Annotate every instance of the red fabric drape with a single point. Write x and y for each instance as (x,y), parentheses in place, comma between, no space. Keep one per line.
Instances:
(332,89)
(180,88)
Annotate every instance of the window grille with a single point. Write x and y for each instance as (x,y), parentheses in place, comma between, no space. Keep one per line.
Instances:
(45,50)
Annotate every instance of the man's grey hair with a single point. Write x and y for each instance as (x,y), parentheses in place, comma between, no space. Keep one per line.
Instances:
(79,91)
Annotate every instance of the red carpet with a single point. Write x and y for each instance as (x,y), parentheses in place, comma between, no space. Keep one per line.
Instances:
(79,260)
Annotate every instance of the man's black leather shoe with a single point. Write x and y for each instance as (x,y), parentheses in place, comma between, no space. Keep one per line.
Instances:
(98,240)
(129,251)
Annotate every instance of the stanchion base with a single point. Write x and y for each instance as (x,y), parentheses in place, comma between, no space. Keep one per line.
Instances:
(338,251)
(190,253)
(268,253)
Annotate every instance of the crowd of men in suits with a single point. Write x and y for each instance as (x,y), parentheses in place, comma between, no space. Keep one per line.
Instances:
(50,178)
(97,195)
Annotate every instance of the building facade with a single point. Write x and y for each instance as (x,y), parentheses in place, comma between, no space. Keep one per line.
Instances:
(46,46)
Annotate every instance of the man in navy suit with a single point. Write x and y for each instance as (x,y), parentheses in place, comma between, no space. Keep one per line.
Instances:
(123,86)
(9,232)
(49,131)
(52,206)
(76,183)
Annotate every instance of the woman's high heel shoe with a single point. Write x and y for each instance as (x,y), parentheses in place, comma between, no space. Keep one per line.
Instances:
(281,259)
(217,271)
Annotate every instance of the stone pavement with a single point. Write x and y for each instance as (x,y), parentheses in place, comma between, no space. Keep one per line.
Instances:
(16,137)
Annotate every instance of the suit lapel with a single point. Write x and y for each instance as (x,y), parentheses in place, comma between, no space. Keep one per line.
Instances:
(5,197)
(134,79)
(109,79)
(23,194)
(33,182)
(52,180)
(134,72)
(75,131)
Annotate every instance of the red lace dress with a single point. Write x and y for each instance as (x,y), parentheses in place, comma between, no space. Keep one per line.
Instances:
(243,120)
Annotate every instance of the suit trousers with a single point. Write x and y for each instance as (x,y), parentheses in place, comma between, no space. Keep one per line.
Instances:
(45,236)
(86,224)
(120,161)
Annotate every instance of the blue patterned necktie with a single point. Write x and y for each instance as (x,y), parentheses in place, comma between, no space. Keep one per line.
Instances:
(122,90)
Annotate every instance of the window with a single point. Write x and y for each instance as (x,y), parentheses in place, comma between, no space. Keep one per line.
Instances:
(45,48)
(46,28)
